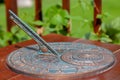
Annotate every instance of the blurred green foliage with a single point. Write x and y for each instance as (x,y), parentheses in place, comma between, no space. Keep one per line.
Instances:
(16,35)
(109,32)
(55,20)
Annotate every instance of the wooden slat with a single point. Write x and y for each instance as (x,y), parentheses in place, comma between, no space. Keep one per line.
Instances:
(10,5)
(38,15)
(66,5)
(97,10)
(38,9)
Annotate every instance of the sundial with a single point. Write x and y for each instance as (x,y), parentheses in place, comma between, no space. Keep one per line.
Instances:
(58,60)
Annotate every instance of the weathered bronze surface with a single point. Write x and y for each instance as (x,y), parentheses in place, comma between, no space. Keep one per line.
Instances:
(76,61)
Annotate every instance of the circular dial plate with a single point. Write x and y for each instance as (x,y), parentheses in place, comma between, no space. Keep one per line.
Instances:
(76,60)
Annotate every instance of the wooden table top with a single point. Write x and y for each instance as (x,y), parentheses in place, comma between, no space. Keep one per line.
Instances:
(7,74)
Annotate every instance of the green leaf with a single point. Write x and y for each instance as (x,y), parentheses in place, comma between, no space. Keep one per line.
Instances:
(3,43)
(91,36)
(65,22)
(116,24)
(64,14)
(113,27)
(105,38)
(7,36)
(15,29)
(57,19)
(38,23)
(50,12)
